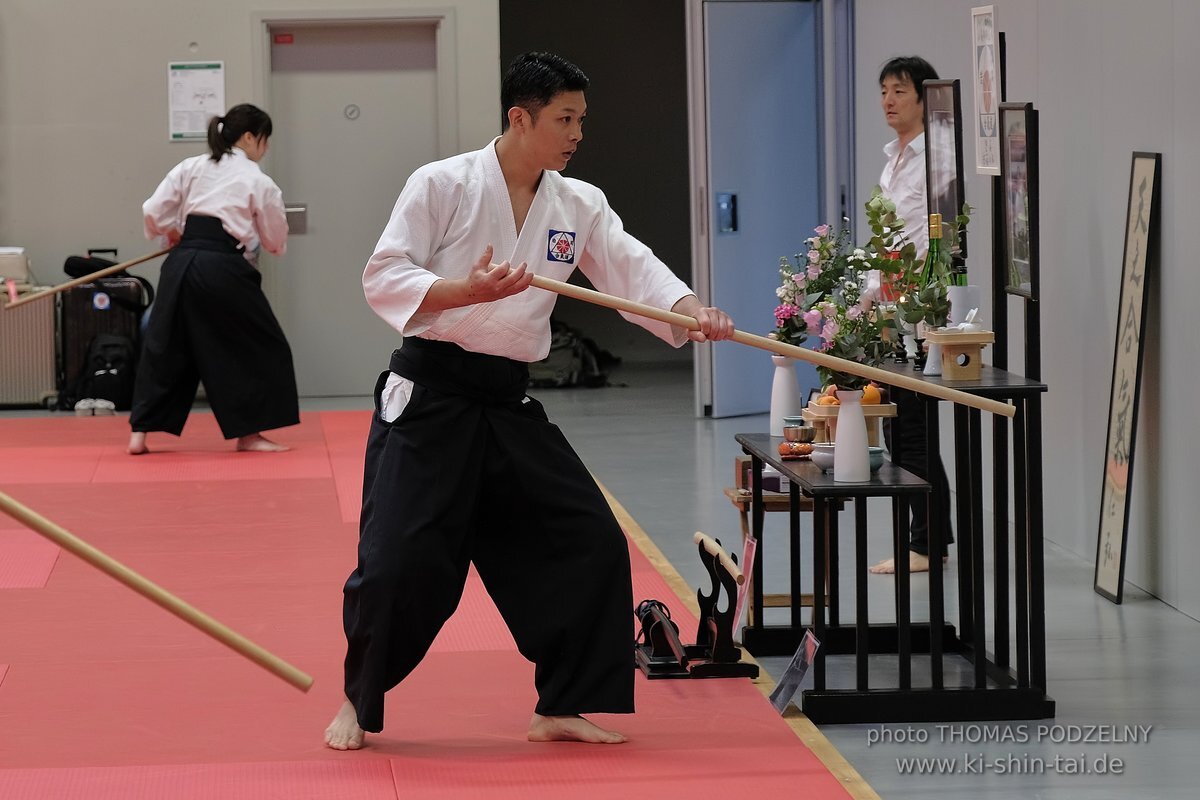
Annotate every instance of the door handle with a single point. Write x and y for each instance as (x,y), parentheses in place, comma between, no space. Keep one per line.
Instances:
(297,217)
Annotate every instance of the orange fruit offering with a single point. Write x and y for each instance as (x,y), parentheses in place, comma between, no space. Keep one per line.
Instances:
(871,395)
(828,400)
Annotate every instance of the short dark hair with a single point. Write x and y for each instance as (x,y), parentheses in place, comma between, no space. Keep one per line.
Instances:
(915,68)
(223,132)
(533,79)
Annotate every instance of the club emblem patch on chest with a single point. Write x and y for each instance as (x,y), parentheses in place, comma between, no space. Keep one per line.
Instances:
(561,246)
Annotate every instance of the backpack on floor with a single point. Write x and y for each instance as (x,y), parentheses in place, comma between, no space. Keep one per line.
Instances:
(572,361)
(108,370)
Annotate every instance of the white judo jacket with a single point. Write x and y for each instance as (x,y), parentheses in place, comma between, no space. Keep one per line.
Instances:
(450,210)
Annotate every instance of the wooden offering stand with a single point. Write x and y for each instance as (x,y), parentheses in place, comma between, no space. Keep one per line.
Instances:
(824,419)
(962,352)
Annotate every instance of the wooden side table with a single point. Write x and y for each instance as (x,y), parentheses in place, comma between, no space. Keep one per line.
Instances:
(772,501)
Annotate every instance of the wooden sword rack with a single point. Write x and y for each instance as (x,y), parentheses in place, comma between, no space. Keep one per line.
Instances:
(661,654)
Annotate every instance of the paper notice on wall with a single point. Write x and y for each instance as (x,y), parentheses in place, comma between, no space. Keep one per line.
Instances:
(195,94)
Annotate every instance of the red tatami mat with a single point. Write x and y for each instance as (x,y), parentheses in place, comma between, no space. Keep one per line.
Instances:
(25,559)
(107,696)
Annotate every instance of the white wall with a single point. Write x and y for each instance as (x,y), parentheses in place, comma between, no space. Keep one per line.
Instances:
(1108,78)
(83,108)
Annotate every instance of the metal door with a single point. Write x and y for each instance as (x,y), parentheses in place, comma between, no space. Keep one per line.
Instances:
(763,125)
(355,111)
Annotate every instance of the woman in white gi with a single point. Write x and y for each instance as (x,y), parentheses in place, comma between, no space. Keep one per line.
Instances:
(462,466)
(211,321)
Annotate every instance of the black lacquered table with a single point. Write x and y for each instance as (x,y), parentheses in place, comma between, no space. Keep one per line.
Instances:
(903,702)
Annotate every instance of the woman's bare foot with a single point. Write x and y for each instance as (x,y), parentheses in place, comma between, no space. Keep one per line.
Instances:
(137,444)
(916,563)
(257,443)
(344,733)
(570,729)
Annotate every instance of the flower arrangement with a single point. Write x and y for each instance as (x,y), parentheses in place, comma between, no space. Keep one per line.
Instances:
(827,292)
(823,293)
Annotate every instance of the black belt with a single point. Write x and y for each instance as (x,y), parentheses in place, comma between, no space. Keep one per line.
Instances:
(449,369)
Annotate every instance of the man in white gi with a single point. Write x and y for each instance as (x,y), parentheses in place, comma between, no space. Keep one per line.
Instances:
(902,97)
(462,466)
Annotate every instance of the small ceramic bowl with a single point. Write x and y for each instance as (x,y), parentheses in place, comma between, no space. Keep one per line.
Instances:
(876,454)
(822,456)
(799,433)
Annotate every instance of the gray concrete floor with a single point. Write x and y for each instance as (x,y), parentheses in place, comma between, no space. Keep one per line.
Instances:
(1108,667)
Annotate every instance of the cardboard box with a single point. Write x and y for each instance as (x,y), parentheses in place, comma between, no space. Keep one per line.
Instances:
(14,265)
(772,480)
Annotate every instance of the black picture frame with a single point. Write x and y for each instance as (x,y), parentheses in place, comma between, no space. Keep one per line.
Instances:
(1019,183)
(944,155)
(1140,260)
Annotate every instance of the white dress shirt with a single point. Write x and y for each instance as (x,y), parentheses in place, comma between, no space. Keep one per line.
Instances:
(449,211)
(234,190)
(903,182)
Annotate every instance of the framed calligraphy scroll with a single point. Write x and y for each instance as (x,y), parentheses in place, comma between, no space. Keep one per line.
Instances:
(943,154)
(1141,253)
(1019,177)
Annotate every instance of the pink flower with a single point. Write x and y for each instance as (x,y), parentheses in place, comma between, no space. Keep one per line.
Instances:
(800,279)
(821,230)
(785,312)
(814,271)
(812,319)
(814,257)
(830,331)
(853,312)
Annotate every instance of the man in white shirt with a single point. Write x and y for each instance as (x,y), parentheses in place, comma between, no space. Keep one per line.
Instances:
(462,466)
(902,95)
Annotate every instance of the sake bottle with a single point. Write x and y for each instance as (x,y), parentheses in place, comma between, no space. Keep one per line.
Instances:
(933,257)
(932,365)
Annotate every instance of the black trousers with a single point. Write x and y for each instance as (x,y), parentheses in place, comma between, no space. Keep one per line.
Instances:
(211,322)
(908,435)
(473,472)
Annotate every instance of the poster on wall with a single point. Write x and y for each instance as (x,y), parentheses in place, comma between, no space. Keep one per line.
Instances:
(1140,258)
(195,93)
(985,57)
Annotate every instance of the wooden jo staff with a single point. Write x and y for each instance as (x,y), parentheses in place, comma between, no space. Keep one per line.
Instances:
(713,547)
(97,275)
(782,348)
(154,593)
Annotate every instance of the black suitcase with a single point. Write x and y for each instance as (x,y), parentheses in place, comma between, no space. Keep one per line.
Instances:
(112,305)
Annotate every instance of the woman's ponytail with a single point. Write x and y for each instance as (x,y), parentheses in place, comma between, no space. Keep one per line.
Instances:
(216,143)
(224,132)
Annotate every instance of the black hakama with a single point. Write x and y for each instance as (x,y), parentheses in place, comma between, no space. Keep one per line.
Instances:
(472,471)
(211,322)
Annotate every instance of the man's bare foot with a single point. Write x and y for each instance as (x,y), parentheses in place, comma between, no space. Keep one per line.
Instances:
(137,444)
(916,563)
(257,443)
(570,729)
(343,733)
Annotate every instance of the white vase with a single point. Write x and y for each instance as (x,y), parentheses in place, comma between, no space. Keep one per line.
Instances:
(933,361)
(785,393)
(851,458)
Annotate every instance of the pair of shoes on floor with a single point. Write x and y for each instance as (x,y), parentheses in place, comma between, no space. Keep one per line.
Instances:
(88,407)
